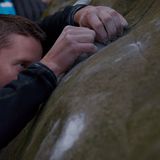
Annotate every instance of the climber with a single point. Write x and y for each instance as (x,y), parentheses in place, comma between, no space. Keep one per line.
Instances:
(28,75)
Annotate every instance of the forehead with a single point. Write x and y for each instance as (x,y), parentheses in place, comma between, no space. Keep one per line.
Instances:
(23,47)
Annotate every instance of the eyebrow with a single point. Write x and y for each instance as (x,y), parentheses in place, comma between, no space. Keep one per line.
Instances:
(27,62)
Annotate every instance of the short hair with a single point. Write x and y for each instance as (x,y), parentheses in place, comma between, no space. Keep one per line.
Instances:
(11,24)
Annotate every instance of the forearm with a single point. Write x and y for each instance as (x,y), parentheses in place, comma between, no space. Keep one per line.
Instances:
(20,100)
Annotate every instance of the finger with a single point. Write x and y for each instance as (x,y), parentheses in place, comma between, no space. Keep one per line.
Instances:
(95,23)
(86,48)
(109,24)
(73,28)
(123,21)
(113,13)
(115,20)
(76,35)
(78,31)
(118,20)
(118,23)
(84,38)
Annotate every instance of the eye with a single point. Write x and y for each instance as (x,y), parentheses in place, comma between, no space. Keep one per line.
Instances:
(21,66)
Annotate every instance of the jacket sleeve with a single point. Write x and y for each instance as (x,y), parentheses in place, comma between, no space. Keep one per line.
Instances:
(53,26)
(20,100)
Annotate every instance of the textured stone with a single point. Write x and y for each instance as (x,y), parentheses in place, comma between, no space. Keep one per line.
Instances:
(107,107)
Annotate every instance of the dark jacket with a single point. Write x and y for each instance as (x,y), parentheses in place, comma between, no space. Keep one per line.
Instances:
(20,100)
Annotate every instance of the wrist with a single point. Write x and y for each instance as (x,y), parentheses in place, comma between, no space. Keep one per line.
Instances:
(71,18)
(53,67)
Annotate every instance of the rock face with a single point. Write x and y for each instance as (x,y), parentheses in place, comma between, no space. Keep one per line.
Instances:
(107,107)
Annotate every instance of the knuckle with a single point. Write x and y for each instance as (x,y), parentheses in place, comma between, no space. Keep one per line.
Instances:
(67,28)
(98,25)
(108,18)
(88,15)
(68,31)
(68,38)
(90,12)
(91,9)
(117,17)
(113,13)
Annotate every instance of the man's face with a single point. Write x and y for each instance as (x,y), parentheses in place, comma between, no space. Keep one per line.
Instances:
(22,52)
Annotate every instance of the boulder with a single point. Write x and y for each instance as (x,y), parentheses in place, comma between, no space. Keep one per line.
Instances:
(108,106)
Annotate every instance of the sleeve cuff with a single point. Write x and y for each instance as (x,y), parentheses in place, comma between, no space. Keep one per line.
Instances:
(70,19)
(45,72)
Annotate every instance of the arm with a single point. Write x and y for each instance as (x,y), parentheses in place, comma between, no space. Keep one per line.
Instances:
(15,111)
(105,21)
(53,25)
(20,100)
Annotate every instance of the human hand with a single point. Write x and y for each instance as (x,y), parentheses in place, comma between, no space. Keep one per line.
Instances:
(105,21)
(72,42)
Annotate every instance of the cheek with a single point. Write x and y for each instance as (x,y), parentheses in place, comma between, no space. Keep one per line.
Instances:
(8,74)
